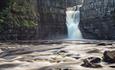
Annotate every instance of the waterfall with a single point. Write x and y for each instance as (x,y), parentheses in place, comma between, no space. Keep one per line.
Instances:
(72,22)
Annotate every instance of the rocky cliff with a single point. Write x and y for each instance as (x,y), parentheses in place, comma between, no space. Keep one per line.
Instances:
(18,19)
(52,19)
(48,15)
(97,19)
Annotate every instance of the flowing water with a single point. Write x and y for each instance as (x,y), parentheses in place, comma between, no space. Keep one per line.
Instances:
(72,22)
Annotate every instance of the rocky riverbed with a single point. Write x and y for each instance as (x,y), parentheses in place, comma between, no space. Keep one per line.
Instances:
(57,55)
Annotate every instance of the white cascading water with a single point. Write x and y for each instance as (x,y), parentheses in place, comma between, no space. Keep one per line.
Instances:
(72,22)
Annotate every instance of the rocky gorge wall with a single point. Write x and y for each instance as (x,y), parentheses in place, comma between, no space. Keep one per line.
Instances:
(47,16)
(97,19)
(52,19)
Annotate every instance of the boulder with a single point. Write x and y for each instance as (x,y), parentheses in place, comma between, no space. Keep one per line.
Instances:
(101,44)
(109,56)
(112,66)
(92,62)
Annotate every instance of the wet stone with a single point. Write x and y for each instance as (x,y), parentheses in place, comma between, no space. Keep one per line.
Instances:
(112,66)
(101,44)
(63,51)
(60,52)
(64,69)
(92,62)
(109,56)
(76,56)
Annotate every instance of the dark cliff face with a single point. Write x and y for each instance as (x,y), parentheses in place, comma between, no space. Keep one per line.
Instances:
(3,4)
(52,19)
(97,19)
(49,17)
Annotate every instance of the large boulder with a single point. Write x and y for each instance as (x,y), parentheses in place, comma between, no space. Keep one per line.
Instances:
(92,62)
(109,56)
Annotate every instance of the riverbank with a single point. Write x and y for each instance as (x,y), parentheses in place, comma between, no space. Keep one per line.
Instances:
(53,55)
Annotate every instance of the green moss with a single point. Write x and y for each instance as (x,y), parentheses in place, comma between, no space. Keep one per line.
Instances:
(24,13)
(18,13)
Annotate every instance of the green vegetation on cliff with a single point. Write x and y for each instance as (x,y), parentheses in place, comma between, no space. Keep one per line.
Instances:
(17,13)
(18,19)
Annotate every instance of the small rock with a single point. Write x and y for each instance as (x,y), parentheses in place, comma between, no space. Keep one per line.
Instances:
(92,62)
(66,69)
(112,66)
(101,44)
(94,59)
(63,51)
(60,52)
(76,56)
(109,56)
(93,51)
